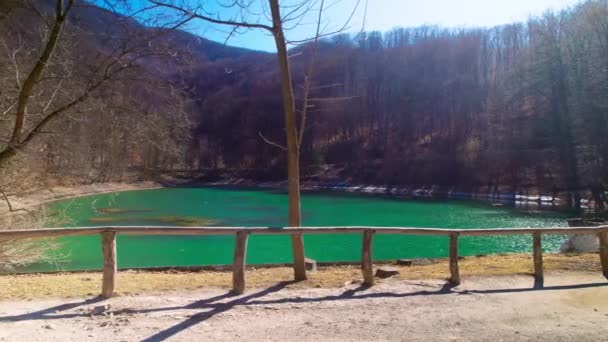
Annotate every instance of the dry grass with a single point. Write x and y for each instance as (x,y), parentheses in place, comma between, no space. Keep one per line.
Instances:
(66,285)
(19,253)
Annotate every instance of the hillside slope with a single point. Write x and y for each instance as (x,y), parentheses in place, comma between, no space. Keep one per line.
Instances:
(517,108)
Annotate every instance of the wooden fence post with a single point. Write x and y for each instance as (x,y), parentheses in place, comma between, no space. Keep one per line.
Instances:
(299,259)
(603,237)
(366,258)
(108,246)
(238,265)
(538,260)
(454,270)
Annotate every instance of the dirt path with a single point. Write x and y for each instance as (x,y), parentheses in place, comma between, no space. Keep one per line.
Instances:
(573,306)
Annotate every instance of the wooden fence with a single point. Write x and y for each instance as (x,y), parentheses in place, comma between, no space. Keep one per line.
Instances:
(108,239)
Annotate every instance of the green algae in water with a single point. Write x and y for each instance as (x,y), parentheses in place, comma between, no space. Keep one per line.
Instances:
(121,210)
(180,221)
(258,208)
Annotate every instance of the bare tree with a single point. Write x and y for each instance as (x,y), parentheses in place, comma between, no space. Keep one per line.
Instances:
(18,137)
(59,77)
(281,17)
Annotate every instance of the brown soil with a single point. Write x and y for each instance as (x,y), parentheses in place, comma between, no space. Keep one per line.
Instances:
(572,307)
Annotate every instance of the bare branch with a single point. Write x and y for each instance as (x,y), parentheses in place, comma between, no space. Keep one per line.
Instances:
(8,109)
(53,96)
(13,58)
(344,27)
(39,68)
(210,19)
(272,143)
(10,205)
(308,77)
(42,123)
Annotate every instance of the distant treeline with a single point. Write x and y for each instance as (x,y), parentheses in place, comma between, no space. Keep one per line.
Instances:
(518,106)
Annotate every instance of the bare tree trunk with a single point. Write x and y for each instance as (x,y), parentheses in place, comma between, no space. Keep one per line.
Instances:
(291,133)
(36,73)
(33,77)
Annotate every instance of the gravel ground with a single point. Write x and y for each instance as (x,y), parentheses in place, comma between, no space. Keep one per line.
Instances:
(572,307)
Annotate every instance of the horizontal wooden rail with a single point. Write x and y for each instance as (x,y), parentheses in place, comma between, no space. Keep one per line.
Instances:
(241,233)
(146,230)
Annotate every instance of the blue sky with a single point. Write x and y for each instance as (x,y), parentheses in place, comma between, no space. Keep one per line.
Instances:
(383,15)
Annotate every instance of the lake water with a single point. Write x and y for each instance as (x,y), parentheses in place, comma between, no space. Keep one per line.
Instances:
(238,207)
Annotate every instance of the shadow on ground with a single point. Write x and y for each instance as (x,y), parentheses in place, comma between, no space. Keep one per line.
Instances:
(215,306)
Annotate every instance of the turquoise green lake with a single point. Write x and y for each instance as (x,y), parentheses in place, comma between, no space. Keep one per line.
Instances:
(238,207)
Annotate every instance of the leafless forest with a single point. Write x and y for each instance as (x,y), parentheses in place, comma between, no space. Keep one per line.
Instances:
(516,107)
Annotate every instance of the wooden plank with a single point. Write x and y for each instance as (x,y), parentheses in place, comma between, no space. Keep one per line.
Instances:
(454,270)
(48,233)
(349,230)
(108,246)
(238,264)
(366,258)
(134,230)
(603,239)
(521,231)
(538,260)
(299,258)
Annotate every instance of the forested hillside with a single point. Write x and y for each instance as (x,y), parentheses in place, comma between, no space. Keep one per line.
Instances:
(522,106)
(112,101)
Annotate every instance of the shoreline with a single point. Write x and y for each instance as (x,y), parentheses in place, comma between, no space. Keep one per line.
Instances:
(402,192)
(36,198)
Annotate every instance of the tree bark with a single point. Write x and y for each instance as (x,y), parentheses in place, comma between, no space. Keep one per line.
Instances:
(110,268)
(366,258)
(454,269)
(291,134)
(239,260)
(34,76)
